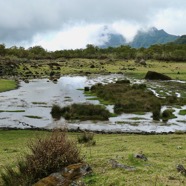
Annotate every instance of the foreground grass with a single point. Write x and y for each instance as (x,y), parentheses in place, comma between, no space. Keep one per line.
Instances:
(164,152)
(6,85)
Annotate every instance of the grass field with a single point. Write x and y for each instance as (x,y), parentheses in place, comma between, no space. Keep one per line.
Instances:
(164,152)
(6,85)
(176,70)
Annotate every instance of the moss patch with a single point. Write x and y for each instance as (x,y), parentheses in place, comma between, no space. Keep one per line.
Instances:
(182,112)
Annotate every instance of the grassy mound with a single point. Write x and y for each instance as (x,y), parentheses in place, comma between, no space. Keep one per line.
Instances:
(81,112)
(126,97)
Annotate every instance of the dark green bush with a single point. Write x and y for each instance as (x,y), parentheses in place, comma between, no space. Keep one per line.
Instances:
(167,114)
(123,81)
(139,86)
(56,112)
(85,112)
(156,111)
(156,114)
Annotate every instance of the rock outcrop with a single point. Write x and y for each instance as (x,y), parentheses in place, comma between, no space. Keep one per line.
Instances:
(151,75)
(70,175)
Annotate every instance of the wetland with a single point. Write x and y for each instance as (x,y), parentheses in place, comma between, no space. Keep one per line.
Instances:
(30,105)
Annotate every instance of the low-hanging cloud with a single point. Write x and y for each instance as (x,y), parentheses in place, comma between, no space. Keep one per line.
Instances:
(23,21)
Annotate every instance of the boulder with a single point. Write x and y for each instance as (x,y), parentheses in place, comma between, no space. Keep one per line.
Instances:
(181,169)
(116,164)
(141,156)
(151,75)
(86,89)
(142,62)
(70,175)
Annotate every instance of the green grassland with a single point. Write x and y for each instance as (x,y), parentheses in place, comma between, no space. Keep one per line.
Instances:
(164,152)
(44,68)
(6,85)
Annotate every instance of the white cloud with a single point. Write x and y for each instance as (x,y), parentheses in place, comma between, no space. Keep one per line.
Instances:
(172,20)
(70,37)
(32,20)
(127,29)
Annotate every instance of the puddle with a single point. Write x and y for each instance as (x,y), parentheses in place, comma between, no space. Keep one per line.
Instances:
(37,97)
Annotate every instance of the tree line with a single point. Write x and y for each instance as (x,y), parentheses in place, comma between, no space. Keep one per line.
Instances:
(164,52)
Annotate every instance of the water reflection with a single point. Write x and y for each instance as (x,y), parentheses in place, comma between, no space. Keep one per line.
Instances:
(37,97)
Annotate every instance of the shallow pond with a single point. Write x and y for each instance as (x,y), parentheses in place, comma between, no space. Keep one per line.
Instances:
(30,106)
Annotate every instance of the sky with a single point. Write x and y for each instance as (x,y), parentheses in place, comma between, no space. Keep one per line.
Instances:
(71,24)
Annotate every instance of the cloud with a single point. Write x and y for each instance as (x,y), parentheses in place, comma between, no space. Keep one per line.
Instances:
(172,20)
(30,21)
(70,37)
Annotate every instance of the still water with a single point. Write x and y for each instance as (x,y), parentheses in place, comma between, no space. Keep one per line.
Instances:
(30,106)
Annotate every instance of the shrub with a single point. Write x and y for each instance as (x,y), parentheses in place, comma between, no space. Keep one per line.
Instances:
(168,114)
(156,114)
(85,112)
(156,110)
(87,137)
(123,81)
(139,86)
(171,99)
(56,112)
(48,155)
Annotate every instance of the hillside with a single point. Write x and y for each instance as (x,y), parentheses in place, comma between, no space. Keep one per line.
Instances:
(114,40)
(142,39)
(181,40)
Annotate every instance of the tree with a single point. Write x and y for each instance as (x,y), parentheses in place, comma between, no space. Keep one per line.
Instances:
(2,50)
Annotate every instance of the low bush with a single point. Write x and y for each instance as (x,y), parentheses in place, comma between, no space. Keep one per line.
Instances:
(156,111)
(87,137)
(167,114)
(85,112)
(48,155)
(56,112)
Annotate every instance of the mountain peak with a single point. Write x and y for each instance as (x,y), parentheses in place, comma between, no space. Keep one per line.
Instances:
(152,36)
(153,29)
(143,38)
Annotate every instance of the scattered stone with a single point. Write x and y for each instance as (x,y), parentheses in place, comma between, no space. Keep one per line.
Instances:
(116,164)
(181,169)
(179,147)
(171,178)
(26,81)
(69,176)
(142,62)
(151,75)
(55,80)
(141,156)
(86,89)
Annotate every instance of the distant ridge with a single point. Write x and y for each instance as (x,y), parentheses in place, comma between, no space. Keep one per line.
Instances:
(181,40)
(114,40)
(142,39)
(152,36)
